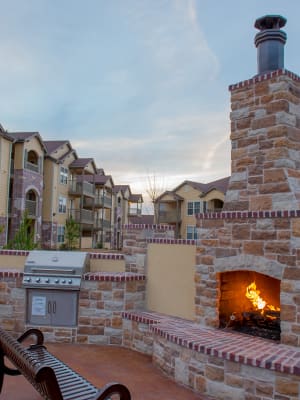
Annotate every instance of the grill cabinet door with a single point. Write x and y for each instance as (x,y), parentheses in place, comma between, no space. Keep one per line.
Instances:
(52,307)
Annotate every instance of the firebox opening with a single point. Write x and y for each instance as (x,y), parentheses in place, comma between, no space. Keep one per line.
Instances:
(250,303)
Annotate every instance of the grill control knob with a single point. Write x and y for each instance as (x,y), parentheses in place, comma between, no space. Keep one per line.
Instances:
(47,280)
(69,281)
(56,281)
(38,280)
(28,279)
(63,281)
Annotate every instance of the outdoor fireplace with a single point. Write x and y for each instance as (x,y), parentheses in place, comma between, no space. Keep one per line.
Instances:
(250,303)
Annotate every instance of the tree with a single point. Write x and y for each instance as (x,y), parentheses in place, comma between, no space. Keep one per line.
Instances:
(24,237)
(72,233)
(155,188)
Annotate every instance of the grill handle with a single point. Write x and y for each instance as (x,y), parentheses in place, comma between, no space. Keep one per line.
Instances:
(53,271)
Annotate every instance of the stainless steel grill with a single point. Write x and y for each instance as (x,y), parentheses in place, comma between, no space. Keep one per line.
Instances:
(55,269)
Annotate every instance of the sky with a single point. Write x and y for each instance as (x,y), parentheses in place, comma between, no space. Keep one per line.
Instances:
(140,86)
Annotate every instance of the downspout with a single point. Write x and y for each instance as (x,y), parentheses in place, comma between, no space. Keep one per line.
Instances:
(8,186)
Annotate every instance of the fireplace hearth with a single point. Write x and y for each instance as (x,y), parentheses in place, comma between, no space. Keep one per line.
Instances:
(250,304)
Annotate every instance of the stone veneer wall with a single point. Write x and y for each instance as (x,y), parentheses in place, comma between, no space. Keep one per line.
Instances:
(264,242)
(135,242)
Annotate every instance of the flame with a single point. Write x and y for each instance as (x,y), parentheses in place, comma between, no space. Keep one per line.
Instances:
(253,295)
(258,302)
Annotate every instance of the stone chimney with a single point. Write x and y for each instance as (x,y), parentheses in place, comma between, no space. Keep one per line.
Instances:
(265,130)
(270,43)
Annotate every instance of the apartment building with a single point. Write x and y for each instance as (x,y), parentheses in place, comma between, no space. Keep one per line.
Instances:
(53,184)
(178,207)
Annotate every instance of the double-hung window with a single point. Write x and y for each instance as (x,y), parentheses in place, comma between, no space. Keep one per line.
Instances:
(191,232)
(63,175)
(196,207)
(62,205)
(60,233)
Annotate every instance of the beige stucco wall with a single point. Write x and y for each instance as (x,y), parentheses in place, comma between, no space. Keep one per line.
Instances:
(98,265)
(12,262)
(5,153)
(170,279)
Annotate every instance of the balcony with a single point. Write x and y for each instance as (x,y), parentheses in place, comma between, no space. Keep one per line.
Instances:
(82,216)
(169,217)
(81,188)
(31,166)
(135,211)
(102,224)
(98,202)
(31,208)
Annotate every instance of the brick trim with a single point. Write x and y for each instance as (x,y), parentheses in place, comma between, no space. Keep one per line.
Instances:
(10,273)
(148,226)
(245,349)
(264,77)
(113,277)
(14,252)
(173,241)
(250,214)
(106,256)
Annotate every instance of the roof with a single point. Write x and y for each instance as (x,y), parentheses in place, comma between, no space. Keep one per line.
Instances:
(204,188)
(53,145)
(122,188)
(4,134)
(82,163)
(21,137)
(96,178)
(135,198)
(143,219)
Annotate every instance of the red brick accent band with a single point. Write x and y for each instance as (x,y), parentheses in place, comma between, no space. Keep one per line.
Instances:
(107,256)
(113,276)
(173,241)
(10,273)
(264,77)
(14,252)
(250,214)
(231,346)
(148,226)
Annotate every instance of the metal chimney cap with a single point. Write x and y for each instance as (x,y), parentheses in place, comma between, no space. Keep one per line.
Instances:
(270,22)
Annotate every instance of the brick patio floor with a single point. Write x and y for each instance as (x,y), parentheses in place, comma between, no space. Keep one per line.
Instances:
(103,364)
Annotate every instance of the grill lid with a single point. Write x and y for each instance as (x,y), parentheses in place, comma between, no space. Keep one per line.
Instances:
(56,262)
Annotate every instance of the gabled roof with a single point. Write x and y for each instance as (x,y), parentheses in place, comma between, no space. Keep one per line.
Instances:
(143,219)
(136,198)
(170,193)
(82,163)
(122,188)
(53,145)
(98,179)
(220,184)
(21,137)
(4,134)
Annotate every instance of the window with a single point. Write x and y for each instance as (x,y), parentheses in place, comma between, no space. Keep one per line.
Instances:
(196,207)
(60,233)
(63,175)
(191,232)
(62,204)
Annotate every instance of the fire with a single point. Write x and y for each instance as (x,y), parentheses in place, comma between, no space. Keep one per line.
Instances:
(258,302)
(253,295)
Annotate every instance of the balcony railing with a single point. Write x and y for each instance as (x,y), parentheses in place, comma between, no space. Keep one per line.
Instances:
(31,166)
(98,202)
(82,188)
(102,224)
(135,211)
(31,208)
(81,216)
(168,217)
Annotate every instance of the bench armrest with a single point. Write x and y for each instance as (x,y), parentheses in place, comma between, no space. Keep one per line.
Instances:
(39,337)
(113,388)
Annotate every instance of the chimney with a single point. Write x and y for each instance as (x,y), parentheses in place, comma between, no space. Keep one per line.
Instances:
(270,43)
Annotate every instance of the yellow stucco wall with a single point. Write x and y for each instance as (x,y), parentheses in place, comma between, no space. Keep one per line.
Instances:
(5,147)
(170,279)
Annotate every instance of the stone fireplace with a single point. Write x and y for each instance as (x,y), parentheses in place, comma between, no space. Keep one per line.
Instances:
(257,236)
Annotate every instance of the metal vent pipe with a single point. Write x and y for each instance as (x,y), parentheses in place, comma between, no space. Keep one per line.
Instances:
(270,43)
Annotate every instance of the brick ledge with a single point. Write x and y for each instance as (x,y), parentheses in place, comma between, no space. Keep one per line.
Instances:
(250,214)
(113,276)
(232,346)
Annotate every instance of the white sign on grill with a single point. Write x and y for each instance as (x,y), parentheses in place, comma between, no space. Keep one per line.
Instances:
(38,307)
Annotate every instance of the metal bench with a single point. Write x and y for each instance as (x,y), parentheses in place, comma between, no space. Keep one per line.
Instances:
(53,379)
